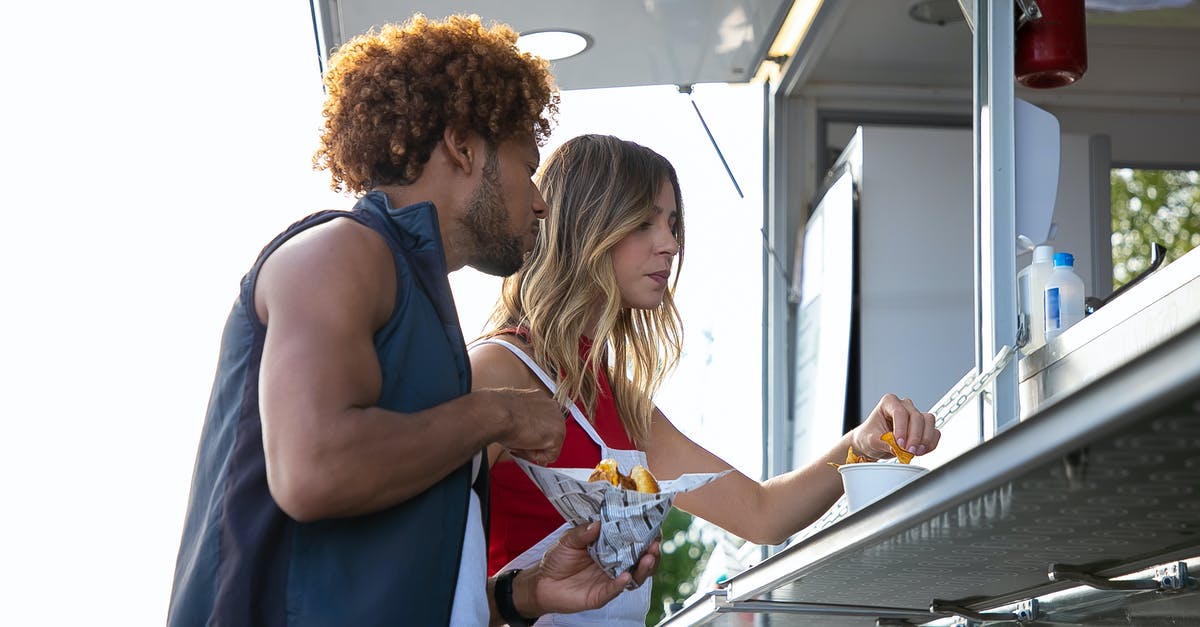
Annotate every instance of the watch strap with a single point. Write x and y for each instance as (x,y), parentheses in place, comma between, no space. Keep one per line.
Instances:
(503,593)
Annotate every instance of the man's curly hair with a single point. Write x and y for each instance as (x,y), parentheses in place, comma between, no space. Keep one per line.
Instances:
(392,93)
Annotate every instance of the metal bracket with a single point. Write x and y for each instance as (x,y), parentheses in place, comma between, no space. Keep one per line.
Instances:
(949,607)
(1075,467)
(1158,253)
(1171,577)
(892,616)
(1027,11)
(1028,611)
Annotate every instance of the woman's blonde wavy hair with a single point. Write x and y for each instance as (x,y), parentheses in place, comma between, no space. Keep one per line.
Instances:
(599,189)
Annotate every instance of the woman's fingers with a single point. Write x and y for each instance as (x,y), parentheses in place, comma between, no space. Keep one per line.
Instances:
(932,435)
(914,429)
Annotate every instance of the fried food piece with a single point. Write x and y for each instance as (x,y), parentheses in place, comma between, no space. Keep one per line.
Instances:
(902,455)
(852,458)
(606,470)
(638,480)
(643,480)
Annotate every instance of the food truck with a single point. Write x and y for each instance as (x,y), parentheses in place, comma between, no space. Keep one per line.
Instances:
(915,151)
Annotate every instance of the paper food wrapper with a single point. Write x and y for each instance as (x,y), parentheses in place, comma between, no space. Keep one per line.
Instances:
(629,521)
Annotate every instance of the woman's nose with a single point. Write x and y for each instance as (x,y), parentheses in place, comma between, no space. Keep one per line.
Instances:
(669,243)
(540,208)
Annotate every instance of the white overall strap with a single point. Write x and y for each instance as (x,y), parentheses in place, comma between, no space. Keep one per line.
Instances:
(549,383)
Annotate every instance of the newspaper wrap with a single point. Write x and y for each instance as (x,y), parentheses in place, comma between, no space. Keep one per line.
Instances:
(629,521)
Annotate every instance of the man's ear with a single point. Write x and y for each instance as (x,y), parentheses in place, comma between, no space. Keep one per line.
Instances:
(461,148)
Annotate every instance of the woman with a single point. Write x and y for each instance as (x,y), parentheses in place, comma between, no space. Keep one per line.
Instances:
(593,304)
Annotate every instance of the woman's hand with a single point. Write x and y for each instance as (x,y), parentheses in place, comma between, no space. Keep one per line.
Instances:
(914,429)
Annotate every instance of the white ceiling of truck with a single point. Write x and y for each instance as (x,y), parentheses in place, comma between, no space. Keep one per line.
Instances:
(634,42)
(1136,52)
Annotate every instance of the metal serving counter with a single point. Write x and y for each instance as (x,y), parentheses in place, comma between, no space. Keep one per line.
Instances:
(1144,317)
(1102,480)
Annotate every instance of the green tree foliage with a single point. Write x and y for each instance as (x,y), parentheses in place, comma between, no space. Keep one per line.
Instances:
(1152,206)
(684,553)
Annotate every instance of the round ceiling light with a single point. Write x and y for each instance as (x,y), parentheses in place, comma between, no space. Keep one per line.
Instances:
(554,44)
(940,12)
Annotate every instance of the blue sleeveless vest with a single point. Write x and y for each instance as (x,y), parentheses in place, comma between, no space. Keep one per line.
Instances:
(242,561)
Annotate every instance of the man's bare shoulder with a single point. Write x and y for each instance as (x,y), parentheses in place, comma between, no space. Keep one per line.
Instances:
(340,258)
(338,235)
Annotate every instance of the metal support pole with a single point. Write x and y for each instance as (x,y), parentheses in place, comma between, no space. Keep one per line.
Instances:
(995,191)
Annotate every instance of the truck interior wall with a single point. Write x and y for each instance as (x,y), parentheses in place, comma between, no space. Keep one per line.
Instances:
(1140,138)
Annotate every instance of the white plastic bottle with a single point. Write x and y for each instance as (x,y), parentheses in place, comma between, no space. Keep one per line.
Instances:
(1063,296)
(1031,284)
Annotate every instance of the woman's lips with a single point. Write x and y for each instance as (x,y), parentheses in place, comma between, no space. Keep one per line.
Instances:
(660,277)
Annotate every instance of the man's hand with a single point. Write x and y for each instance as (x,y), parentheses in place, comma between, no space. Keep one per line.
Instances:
(537,425)
(567,580)
(914,429)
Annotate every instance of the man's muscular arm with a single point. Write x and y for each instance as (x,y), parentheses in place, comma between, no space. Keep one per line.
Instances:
(330,452)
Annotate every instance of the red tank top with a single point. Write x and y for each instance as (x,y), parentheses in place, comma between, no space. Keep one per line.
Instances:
(520,514)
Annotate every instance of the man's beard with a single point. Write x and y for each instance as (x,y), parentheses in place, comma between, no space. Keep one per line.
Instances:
(496,250)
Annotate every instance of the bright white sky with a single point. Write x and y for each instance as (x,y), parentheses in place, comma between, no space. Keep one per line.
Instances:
(150,150)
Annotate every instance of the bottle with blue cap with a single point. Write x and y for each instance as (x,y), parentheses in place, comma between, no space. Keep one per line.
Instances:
(1031,288)
(1063,296)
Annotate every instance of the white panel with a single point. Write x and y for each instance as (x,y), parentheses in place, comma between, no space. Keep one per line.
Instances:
(1073,207)
(823,323)
(916,263)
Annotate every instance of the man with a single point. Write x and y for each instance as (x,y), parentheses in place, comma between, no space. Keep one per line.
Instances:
(340,479)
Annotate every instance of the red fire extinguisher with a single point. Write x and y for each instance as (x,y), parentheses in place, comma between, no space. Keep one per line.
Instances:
(1052,51)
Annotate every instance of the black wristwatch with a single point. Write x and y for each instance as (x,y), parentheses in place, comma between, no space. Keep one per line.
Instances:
(504,600)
